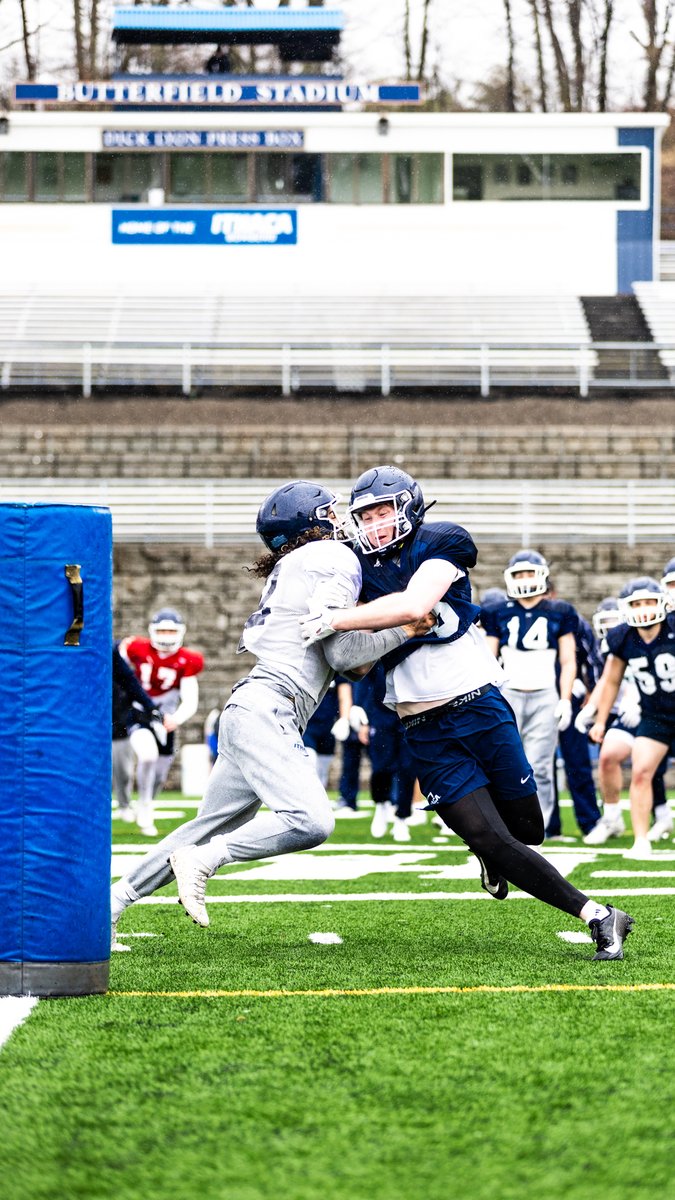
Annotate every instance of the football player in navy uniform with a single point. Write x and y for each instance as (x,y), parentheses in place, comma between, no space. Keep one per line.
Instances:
(617,744)
(261,755)
(461,732)
(668,582)
(645,644)
(533,636)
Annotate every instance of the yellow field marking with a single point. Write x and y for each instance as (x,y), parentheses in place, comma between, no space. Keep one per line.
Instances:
(488,989)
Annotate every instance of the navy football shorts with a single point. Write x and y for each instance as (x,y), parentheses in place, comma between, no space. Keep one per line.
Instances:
(476,745)
(659,728)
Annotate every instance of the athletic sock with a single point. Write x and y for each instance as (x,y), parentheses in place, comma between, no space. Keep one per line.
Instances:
(214,854)
(122,894)
(592,911)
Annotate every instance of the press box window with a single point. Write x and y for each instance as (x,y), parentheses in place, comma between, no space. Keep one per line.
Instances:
(126,177)
(355,178)
(13,176)
(547,176)
(59,177)
(416,179)
(202,177)
(284,177)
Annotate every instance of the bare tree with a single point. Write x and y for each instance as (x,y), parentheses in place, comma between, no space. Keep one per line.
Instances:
(658,27)
(407,49)
(539,50)
(574,12)
(25,37)
(603,50)
(511,60)
(419,72)
(424,42)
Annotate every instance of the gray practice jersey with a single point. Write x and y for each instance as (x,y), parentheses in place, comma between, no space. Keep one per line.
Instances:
(320,573)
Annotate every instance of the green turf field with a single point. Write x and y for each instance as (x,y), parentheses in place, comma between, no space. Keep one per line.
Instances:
(445,1048)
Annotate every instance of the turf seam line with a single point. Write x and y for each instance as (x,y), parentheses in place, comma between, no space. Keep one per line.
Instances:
(484,989)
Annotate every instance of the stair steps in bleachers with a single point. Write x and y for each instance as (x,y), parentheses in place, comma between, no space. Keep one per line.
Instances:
(620,319)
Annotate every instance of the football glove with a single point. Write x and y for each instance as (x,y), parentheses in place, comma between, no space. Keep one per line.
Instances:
(316,625)
(563,714)
(157,727)
(358,717)
(585,718)
(630,712)
(579,689)
(341,729)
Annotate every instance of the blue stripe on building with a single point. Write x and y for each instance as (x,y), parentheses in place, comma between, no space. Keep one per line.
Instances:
(635,228)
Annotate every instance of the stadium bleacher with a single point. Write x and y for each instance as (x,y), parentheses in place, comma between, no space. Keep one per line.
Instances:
(99,340)
(657,301)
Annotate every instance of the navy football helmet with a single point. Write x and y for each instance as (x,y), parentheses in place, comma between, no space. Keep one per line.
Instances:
(668,583)
(167,630)
(536,582)
(606,616)
(493,598)
(387,485)
(643,588)
(294,508)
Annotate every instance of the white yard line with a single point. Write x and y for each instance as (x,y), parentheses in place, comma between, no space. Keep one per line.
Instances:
(348,897)
(14,1010)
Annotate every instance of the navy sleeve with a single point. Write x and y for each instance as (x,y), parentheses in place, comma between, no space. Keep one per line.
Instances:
(490,621)
(441,539)
(569,621)
(124,678)
(616,639)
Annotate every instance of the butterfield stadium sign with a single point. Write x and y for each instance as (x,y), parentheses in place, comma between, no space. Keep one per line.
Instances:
(264,93)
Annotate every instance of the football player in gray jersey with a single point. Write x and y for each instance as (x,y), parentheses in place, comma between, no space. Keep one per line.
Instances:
(261,756)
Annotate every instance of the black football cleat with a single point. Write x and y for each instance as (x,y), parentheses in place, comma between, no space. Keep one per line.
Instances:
(491,882)
(610,933)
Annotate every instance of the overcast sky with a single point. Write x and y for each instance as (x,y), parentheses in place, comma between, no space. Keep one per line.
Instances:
(467,39)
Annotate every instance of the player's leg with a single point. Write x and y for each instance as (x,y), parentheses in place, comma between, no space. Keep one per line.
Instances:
(380,749)
(663,817)
(146,750)
(614,751)
(647,756)
(540,746)
(123,770)
(576,757)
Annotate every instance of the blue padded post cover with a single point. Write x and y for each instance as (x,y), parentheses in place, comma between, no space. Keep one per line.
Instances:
(55,749)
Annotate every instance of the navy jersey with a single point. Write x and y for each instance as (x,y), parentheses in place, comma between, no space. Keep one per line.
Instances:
(455,610)
(652,664)
(589,655)
(528,639)
(536,628)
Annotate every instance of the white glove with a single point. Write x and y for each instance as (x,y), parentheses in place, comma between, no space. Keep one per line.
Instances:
(159,731)
(341,728)
(316,626)
(563,714)
(579,689)
(585,718)
(630,712)
(358,717)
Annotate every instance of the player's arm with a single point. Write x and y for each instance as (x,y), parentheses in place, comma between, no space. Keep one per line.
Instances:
(353,652)
(605,694)
(426,587)
(567,657)
(189,702)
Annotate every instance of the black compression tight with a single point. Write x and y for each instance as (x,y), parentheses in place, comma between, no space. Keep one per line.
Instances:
(477,821)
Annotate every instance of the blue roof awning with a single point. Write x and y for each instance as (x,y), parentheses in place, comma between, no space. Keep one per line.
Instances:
(226,21)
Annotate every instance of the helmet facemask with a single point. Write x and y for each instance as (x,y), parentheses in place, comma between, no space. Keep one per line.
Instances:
(643,616)
(399,516)
(605,619)
(166,637)
(535,584)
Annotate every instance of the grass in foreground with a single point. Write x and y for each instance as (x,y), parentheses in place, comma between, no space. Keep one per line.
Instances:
(510,1095)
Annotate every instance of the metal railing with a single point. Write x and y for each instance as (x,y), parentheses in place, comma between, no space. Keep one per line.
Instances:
(214,512)
(345,366)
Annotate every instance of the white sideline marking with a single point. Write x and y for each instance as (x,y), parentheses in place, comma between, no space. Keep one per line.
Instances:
(575,936)
(337,897)
(633,874)
(13,1012)
(325,939)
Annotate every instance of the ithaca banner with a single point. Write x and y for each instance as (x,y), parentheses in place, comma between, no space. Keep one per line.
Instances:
(261,93)
(204,226)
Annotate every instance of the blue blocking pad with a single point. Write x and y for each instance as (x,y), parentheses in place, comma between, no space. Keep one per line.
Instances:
(55,749)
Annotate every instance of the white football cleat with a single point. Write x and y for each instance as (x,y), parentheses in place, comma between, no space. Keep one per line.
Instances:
(145,818)
(609,826)
(115,943)
(662,828)
(641,848)
(381,820)
(191,876)
(126,815)
(400,831)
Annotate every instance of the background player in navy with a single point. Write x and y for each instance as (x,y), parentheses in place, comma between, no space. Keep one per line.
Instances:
(645,643)
(393,772)
(461,732)
(534,637)
(129,700)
